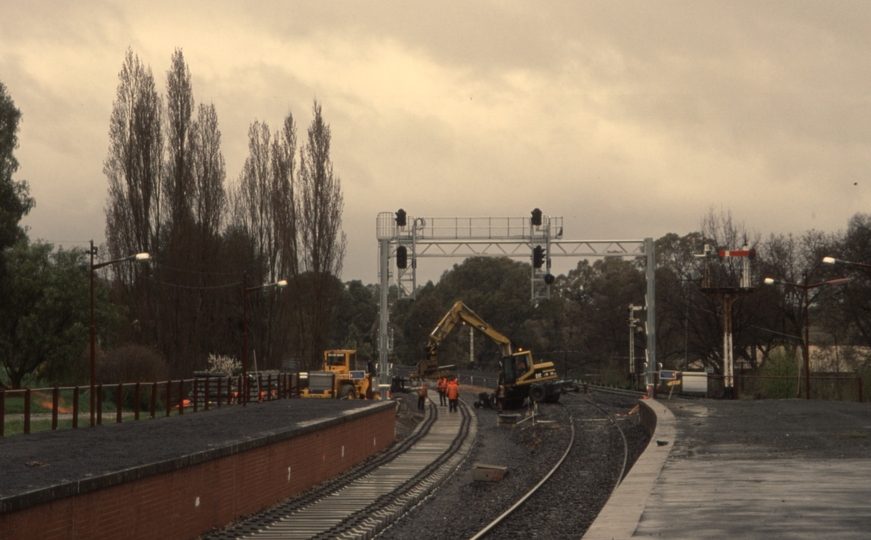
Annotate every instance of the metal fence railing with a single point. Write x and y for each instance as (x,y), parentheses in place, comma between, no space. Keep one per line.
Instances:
(68,407)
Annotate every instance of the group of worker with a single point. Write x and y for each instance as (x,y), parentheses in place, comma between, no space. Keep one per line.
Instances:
(448,390)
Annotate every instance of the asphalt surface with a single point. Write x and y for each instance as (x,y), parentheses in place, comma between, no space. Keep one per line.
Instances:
(766,469)
(45,460)
(772,429)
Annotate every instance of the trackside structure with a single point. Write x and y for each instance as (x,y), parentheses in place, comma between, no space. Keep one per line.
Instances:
(538,238)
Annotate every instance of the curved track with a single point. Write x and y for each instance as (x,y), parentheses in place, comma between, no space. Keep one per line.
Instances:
(541,495)
(486,530)
(368,498)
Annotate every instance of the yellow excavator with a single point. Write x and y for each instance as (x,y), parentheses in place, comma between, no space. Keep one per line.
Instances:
(520,376)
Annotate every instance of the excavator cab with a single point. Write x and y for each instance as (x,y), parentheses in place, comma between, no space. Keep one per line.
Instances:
(516,366)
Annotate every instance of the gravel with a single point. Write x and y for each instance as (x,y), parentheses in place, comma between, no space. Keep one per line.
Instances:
(568,502)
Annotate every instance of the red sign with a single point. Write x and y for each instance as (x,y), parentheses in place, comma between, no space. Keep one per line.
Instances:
(738,253)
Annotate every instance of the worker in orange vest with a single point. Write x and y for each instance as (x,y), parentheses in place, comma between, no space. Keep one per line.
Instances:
(453,394)
(442,388)
(421,397)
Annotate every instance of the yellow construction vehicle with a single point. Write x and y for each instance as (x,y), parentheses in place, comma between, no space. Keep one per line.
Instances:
(340,378)
(520,377)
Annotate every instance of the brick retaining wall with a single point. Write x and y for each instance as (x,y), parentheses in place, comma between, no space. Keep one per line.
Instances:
(190,500)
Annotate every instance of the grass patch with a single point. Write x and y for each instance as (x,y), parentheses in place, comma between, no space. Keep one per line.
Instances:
(16,427)
(15,405)
(856,435)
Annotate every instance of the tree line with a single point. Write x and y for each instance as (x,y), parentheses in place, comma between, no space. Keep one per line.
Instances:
(209,238)
(584,327)
(279,220)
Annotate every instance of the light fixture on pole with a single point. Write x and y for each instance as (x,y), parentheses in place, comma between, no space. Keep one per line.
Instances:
(243,392)
(92,267)
(832,260)
(805,287)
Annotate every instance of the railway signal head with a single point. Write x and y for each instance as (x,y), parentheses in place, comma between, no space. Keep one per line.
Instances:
(400,217)
(536,217)
(401,257)
(538,256)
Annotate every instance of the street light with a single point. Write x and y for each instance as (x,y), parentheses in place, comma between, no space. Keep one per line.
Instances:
(245,291)
(93,251)
(832,260)
(805,287)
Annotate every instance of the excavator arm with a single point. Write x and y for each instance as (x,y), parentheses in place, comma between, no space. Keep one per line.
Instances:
(459,312)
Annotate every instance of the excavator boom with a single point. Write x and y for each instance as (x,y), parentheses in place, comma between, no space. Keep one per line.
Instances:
(520,376)
(459,312)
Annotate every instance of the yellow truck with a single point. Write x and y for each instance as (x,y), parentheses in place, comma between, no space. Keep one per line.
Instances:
(340,378)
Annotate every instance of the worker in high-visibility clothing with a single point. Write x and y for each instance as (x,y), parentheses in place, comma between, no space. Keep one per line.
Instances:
(421,397)
(453,394)
(442,388)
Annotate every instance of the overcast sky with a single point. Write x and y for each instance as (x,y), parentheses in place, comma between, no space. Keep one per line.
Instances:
(628,119)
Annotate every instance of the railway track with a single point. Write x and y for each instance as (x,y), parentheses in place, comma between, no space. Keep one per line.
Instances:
(580,456)
(368,498)
(540,497)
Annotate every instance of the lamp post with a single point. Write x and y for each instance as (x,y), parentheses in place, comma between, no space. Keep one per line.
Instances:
(245,290)
(805,287)
(92,267)
(832,260)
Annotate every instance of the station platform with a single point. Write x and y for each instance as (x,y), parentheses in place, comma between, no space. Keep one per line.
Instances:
(177,477)
(747,469)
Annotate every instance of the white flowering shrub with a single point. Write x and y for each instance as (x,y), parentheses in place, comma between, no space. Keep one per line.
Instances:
(224,364)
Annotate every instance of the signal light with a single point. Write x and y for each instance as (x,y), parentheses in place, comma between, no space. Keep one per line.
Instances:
(548,279)
(400,217)
(538,257)
(401,257)
(536,217)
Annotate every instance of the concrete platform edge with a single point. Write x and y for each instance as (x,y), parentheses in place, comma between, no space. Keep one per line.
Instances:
(620,516)
(41,496)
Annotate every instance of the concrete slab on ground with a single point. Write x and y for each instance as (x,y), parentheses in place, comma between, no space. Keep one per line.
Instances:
(749,469)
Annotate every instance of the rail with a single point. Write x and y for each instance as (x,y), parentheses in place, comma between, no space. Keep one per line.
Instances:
(625,442)
(368,498)
(65,407)
(522,500)
(486,530)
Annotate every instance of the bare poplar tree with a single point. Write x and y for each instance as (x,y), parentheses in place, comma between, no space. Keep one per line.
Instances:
(264,210)
(209,172)
(322,202)
(250,199)
(133,169)
(134,163)
(284,203)
(178,181)
(323,242)
(180,300)
(208,207)
(284,193)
